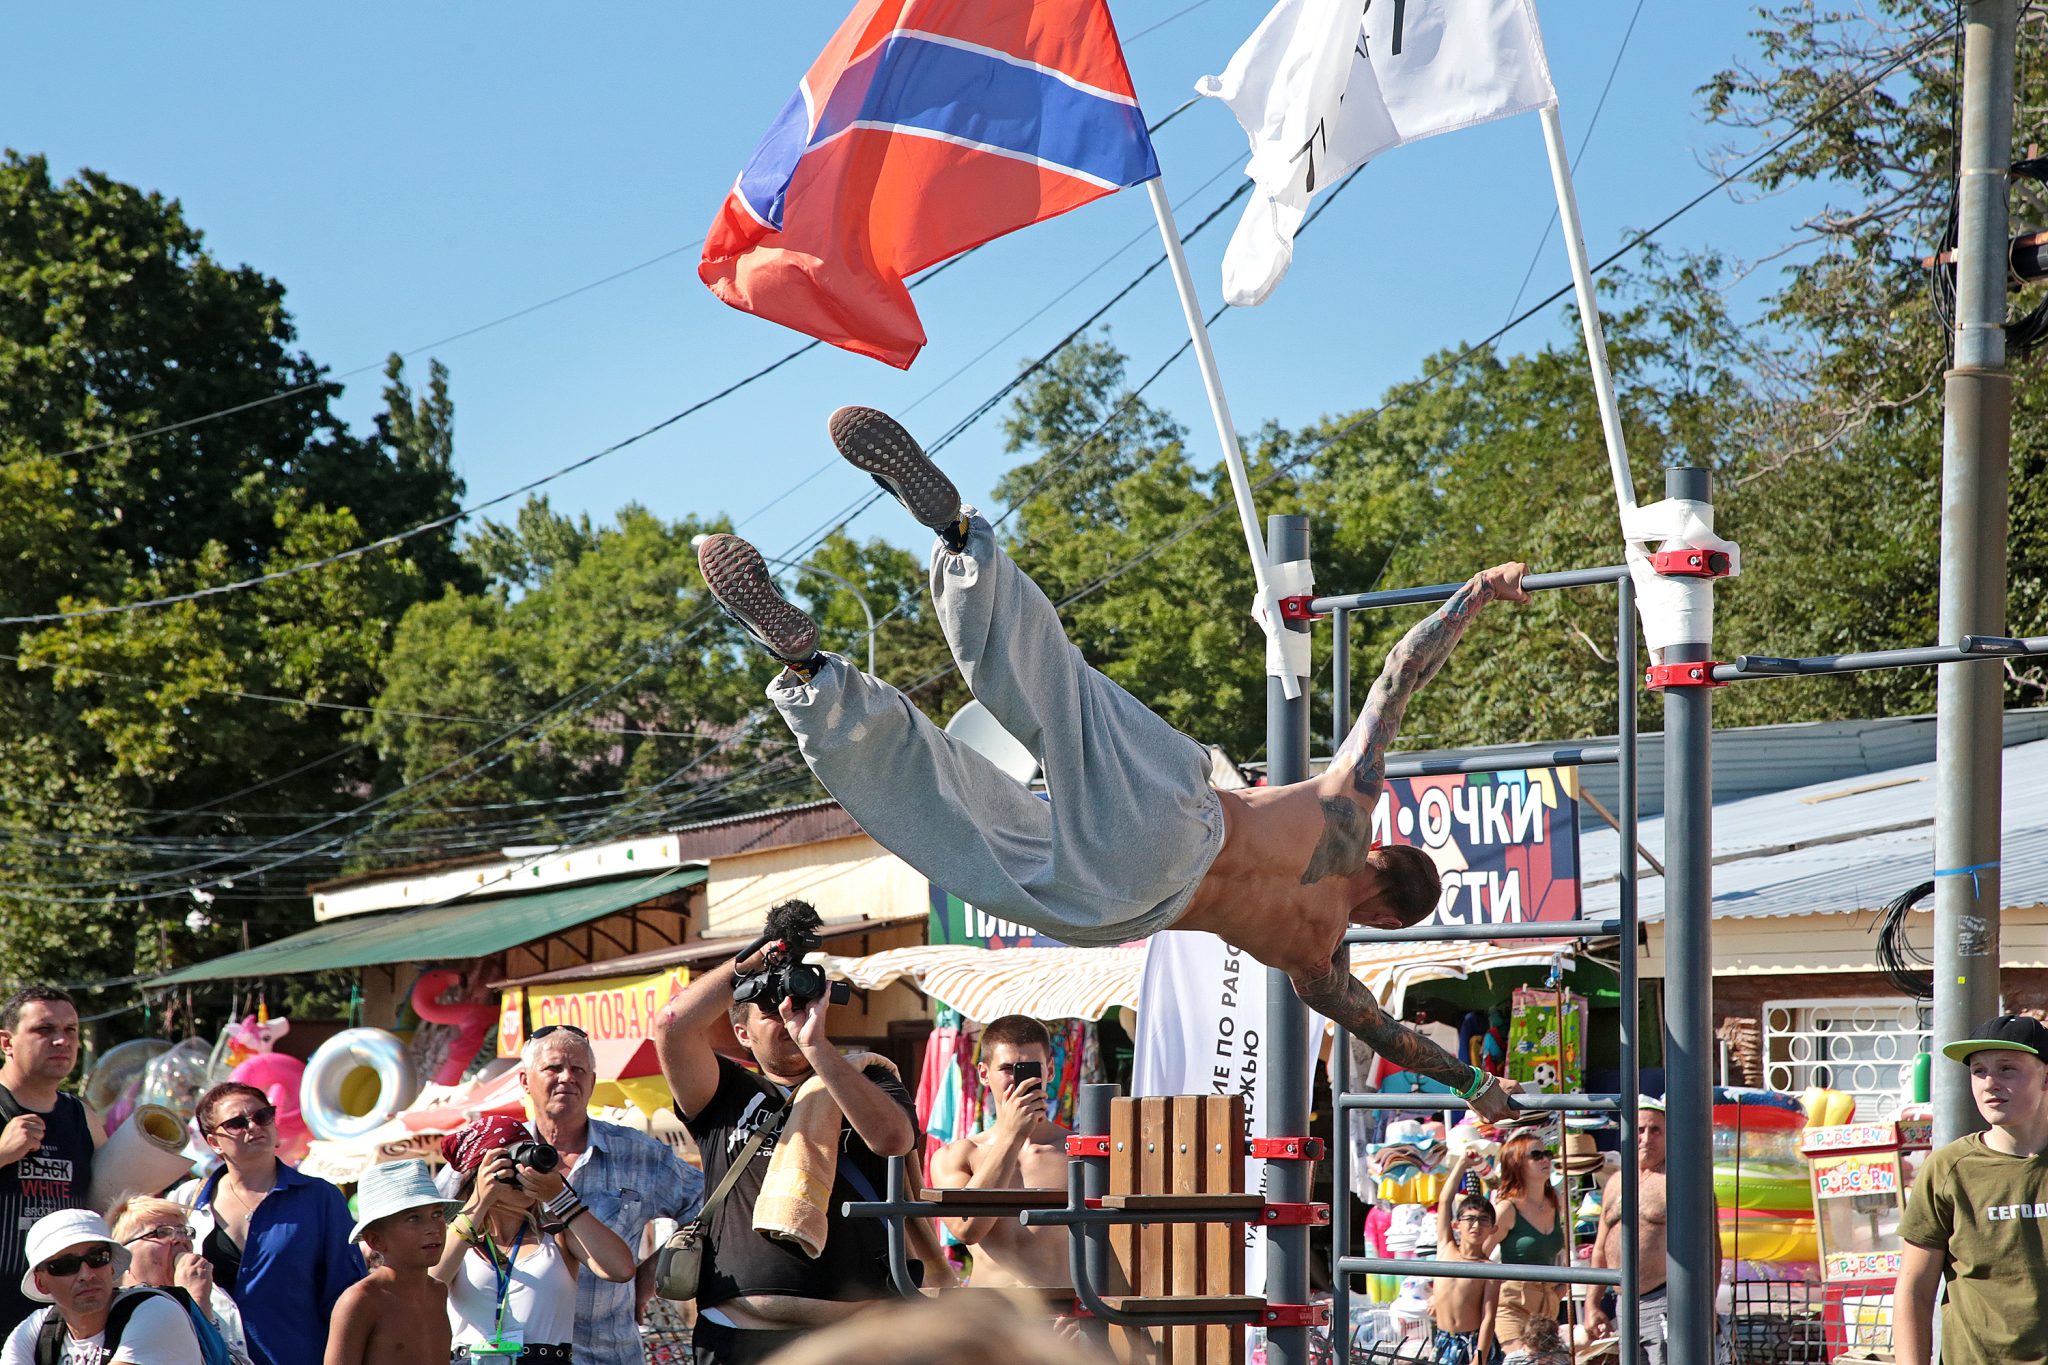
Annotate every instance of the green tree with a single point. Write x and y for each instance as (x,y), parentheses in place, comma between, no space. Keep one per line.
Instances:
(160,435)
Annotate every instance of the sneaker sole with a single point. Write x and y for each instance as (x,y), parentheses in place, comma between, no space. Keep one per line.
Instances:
(738,578)
(875,443)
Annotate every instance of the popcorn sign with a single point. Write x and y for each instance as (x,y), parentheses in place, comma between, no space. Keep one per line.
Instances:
(1849,1176)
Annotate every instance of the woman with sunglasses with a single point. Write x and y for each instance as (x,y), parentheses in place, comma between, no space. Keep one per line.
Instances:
(1528,1227)
(160,1254)
(278,1241)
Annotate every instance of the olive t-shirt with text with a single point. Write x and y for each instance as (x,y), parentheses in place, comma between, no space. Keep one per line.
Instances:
(1986,1213)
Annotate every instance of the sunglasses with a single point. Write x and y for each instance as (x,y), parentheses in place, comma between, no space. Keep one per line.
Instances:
(169,1232)
(64,1267)
(545,1029)
(1543,1155)
(255,1118)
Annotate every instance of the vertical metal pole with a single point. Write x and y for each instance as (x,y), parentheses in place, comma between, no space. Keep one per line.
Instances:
(1340,1056)
(1627,1316)
(1976,445)
(1286,1086)
(1688,988)
(1091,1116)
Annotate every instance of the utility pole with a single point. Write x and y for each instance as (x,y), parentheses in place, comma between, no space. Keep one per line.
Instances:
(1976,449)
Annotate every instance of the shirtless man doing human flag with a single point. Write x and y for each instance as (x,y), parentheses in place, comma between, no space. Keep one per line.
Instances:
(1134,839)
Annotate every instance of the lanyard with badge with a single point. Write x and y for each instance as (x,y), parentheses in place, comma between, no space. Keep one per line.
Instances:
(503,1345)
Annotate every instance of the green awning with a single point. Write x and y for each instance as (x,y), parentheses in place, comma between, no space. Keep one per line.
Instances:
(464,929)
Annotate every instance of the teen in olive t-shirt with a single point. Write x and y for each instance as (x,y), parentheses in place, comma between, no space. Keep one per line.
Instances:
(1988,1214)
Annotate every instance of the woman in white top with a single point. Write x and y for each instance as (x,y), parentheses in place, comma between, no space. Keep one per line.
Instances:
(519,1242)
(158,1237)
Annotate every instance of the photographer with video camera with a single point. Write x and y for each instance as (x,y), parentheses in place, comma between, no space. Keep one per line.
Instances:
(516,1247)
(774,1264)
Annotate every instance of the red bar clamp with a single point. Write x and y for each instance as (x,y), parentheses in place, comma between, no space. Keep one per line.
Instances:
(1297,609)
(1285,1149)
(1699,674)
(1295,1216)
(1295,1315)
(1087,1144)
(1690,563)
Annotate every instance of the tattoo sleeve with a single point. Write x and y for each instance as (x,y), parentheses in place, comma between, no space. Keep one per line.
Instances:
(1411,664)
(1345,1001)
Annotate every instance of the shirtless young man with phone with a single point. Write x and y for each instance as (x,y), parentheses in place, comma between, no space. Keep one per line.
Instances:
(1023,1149)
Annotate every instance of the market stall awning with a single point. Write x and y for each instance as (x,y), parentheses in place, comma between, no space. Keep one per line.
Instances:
(1088,983)
(695,953)
(464,929)
(987,983)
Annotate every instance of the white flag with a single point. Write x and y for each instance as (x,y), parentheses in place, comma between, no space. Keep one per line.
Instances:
(1201,1027)
(1321,91)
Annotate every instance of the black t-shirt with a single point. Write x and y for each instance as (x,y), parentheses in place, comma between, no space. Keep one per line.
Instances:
(739,1260)
(54,1177)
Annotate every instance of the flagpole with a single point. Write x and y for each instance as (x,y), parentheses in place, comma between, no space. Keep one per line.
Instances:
(1226,430)
(1589,306)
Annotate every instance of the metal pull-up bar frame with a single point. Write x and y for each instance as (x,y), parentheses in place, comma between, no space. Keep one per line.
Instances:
(1622,754)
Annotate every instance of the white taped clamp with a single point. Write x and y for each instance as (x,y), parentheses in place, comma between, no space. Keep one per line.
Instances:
(1287,651)
(1675,611)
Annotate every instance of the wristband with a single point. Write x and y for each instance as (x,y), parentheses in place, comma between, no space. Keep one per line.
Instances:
(1479,1082)
(562,1202)
(557,1224)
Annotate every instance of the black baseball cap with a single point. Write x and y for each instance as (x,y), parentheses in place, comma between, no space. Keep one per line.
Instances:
(2006,1033)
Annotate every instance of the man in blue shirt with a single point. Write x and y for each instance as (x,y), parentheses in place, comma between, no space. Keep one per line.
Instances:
(627,1179)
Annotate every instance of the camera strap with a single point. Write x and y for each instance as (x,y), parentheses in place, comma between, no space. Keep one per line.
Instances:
(767,1130)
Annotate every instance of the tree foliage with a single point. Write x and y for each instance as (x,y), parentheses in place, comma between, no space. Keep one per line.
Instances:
(132,744)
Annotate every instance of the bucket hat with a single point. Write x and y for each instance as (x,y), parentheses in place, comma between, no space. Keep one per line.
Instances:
(393,1187)
(53,1232)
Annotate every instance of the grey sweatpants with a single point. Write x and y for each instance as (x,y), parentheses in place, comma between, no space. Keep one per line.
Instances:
(1132,825)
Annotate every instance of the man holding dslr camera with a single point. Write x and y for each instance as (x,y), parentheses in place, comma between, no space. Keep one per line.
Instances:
(756,1293)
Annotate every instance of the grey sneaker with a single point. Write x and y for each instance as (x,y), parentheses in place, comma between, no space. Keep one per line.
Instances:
(739,580)
(876,444)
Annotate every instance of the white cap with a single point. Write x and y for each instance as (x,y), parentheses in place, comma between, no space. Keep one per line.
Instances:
(54,1232)
(393,1187)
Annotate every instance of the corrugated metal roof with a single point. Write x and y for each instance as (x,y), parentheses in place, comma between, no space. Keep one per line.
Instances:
(1755,759)
(1835,847)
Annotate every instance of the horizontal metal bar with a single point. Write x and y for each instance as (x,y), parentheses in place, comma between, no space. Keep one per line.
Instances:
(1420,1100)
(1049,1218)
(1409,597)
(1466,933)
(1564,756)
(924,1208)
(1973,649)
(1426,1268)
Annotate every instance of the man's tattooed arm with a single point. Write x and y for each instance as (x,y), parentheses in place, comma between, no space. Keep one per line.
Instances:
(1346,1001)
(1410,665)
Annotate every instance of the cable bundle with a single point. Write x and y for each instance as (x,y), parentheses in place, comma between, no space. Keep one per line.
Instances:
(1900,959)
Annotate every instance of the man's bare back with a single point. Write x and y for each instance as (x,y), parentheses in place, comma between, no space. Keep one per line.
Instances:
(1023,1149)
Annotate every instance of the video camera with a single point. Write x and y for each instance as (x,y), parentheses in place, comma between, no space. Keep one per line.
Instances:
(792,932)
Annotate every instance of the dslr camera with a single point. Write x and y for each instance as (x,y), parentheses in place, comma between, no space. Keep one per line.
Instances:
(535,1156)
(792,932)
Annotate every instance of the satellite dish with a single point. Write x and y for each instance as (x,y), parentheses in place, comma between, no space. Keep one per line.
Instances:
(974,726)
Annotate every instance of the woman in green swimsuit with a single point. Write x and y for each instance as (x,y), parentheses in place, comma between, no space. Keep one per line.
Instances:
(1528,1227)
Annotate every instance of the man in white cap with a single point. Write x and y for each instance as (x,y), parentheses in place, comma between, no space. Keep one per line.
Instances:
(73,1264)
(1979,1213)
(1652,1260)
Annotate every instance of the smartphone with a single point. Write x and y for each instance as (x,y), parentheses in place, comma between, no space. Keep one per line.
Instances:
(1026,1071)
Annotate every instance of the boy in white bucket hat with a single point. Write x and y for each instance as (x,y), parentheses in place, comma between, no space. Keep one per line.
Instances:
(398,1313)
(73,1264)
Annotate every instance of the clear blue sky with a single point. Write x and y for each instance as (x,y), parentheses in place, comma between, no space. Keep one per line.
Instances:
(410,171)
